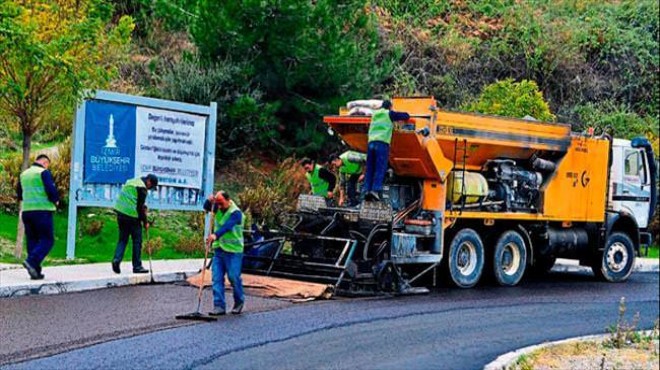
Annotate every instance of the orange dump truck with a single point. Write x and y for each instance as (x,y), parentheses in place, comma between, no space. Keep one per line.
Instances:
(468,195)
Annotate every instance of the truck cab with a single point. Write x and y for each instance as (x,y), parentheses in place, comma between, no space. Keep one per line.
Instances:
(633,183)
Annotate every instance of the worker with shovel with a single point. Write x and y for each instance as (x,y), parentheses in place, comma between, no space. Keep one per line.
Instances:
(227,252)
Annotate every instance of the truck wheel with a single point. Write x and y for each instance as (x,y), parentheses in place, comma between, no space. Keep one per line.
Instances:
(616,263)
(509,259)
(466,258)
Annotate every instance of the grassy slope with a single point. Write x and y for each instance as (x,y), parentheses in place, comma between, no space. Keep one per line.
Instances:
(171,227)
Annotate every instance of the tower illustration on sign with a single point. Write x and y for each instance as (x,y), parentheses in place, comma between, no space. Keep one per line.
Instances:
(110,141)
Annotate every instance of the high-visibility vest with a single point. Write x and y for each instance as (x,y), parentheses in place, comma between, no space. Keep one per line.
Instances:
(232,240)
(381,126)
(348,167)
(319,186)
(35,197)
(127,200)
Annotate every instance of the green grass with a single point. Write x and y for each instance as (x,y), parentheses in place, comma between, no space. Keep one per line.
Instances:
(654,252)
(170,226)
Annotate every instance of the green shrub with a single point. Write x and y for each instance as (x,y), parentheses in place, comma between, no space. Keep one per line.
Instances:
(269,195)
(512,99)
(190,244)
(92,227)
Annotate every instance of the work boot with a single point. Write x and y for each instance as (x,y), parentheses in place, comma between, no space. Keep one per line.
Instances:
(38,277)
(238,308)
(34,274)
(217,312)
(140,270)
(115,267)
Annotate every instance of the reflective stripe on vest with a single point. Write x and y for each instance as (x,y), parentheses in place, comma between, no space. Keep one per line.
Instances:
(127,200)
(348,167)
(381,126)
(232,240)
(319,186)
(35,197)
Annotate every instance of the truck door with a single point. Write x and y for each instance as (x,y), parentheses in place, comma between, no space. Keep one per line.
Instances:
(634,192)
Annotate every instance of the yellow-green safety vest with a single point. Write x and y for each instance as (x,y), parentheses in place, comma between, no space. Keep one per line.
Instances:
(35,197)
(319,186)
(348,167)
(127,200)
(381,126)
(232,240)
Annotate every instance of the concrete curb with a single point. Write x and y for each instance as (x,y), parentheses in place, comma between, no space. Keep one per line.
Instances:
(58,287)
(506,360)
(180,273)
(641,265)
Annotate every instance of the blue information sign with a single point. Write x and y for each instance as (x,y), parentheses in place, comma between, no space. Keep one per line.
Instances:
(109,142)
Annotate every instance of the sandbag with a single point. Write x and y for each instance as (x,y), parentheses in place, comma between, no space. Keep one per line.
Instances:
(371,104)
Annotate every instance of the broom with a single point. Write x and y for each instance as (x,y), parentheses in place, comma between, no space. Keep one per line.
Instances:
(197,315)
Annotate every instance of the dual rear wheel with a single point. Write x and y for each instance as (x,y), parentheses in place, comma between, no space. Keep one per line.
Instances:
(466,258)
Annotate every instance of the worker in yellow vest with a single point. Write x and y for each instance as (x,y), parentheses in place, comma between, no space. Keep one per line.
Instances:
(321,180)
(227,245)
(37,191)
(378,148)
(350,166)
(131,212)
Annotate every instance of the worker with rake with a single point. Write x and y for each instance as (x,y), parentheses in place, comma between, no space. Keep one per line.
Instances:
(228,252)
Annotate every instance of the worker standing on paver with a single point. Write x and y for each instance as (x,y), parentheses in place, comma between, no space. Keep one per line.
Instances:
(321,180)
(38,192)
(378,149)
(350,165)
(131,216)
(227,252)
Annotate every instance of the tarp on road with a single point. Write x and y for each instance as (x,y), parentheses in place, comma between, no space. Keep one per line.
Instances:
(272,287)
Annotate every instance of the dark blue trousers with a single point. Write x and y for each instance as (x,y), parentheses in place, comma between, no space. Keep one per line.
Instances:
(378,154)
(129,226)
(39,235)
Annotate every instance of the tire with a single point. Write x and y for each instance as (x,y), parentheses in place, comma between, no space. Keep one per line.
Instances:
(616,262)
(466,258)
(509,259)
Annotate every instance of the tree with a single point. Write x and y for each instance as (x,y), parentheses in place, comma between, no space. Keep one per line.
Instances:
(512,99)
(309,56)
(51,51)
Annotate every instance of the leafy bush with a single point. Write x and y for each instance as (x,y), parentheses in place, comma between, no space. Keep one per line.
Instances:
(93,227)
(624,122)
(271,194)
(190,244)
(153,245)
(512,99)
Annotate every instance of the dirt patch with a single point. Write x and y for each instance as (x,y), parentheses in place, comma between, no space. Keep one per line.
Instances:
(592,355)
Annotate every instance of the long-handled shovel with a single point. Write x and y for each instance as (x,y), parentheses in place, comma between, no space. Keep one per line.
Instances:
(197,315)
(149,250)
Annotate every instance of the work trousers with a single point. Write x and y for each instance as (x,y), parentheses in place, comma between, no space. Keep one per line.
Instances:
(349,184)
(378,154)
(226,263)
(39,235)
(129,226)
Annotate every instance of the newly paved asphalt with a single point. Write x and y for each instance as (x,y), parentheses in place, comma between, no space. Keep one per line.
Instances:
(448,329)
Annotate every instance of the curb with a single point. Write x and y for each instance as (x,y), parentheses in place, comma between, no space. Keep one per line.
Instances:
(504,361)
(56,287)
(641,265)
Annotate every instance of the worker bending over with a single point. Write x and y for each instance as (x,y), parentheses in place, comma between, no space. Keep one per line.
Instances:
(378,149)
(350,165)
(321,180)
(131,212)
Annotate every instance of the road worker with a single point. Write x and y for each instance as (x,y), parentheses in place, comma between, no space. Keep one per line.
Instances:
(350,165)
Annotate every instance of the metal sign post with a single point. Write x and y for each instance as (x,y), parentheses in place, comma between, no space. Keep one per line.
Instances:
(117,137)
